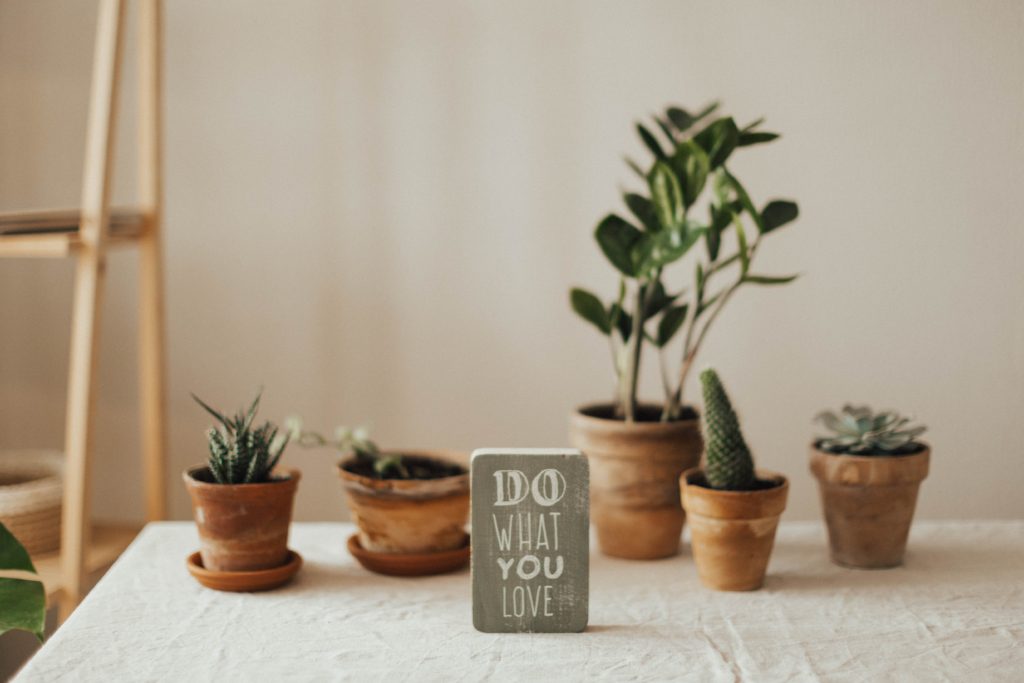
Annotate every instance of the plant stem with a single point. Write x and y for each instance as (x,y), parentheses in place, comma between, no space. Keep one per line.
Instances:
(692,348)
(674,404)
(636,345)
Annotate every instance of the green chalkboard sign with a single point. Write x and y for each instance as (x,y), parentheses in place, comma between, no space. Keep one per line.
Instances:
(531,540)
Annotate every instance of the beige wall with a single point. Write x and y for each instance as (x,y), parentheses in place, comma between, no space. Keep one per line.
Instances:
(375,209)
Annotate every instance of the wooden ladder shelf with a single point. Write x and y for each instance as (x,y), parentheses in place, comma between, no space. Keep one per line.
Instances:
(86,234)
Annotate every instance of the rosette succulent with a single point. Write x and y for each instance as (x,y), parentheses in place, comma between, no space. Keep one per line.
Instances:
(857,430)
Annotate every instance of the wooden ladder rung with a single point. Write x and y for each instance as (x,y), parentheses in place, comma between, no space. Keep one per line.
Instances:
(55,234)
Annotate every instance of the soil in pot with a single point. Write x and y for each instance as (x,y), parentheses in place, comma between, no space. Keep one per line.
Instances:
(733,532)
(422,515)
(242,527)
(634,477)
(868,502)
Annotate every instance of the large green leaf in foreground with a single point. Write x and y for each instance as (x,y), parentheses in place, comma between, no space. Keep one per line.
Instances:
(22,601)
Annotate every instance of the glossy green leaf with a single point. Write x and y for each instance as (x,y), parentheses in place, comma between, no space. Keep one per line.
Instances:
(636,168)
(670,322)
(667,196)
(769,279)
(650,141)
(777,213)
(621,320)
(641,207)
(753,125)
(22,606)
(708,109)
(684,120)
(744,198)
(620,242)
(657,300)
(590,308)
(720,219)
(719,140)
(666,128)
(669,246)
(13,555)
(691,165)
(22,601)
(680,118)
(756,138)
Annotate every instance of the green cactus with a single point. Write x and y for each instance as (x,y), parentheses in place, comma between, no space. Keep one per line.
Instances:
(239,453)
(729,465)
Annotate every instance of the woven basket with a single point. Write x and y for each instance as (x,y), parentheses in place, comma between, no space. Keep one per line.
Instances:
(31,488)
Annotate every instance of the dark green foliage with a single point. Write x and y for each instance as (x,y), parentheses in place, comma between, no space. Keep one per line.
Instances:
(728,464)
(22,601)
(690,153)
(239,452)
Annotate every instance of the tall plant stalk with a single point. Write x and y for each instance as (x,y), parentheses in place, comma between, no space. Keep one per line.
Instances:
(690,170)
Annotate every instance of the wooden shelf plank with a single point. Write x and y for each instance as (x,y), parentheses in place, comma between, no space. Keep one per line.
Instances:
(54,234)
(106,543)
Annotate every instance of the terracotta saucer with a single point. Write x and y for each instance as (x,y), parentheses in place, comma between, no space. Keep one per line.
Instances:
(411,564)
(244,582)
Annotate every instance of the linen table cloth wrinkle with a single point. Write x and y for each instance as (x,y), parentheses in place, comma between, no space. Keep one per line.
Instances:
(955,612)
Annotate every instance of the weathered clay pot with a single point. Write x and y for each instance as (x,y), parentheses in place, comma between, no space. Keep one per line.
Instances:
(732,532)
(634,477)
(869,504)
(242,527)
(409,515)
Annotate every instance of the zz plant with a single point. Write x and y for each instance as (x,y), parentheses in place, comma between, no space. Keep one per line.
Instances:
(241,453)
(688,173)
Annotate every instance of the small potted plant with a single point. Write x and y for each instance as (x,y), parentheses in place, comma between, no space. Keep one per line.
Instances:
(869,471)
(410,507)
(734,509)
(637,450)
(242,506)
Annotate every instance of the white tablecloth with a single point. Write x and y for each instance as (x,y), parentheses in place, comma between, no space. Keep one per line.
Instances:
(954,612)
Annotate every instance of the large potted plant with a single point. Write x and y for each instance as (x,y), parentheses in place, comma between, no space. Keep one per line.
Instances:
(410,507)
(637,450)
(869,471)
(734,509)
(241,504)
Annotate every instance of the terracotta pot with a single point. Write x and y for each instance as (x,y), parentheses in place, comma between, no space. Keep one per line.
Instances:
(634,478)
(242,527)
(732,532)
(869,504)
(409,515)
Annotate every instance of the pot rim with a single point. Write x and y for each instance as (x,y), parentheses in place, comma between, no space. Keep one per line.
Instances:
(426,488)
(924,452)
(760,474)
(293,478)
(580,416)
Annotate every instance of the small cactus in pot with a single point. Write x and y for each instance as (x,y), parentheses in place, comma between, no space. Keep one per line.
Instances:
(733,510)
(729,465)
(869,470)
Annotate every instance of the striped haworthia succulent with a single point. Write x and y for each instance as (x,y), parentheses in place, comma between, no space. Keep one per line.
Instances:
(239,452)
